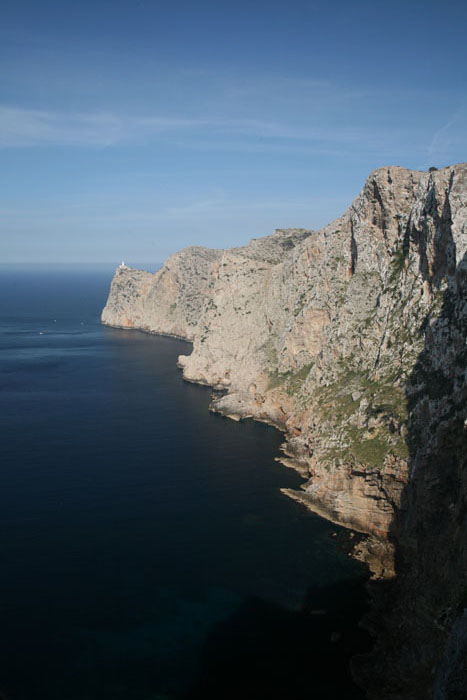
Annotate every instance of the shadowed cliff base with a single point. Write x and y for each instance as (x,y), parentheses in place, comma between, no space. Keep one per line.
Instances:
(264,651)
(420,618)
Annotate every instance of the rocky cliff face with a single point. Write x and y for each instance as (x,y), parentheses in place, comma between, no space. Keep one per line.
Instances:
(169,302)
(352,340)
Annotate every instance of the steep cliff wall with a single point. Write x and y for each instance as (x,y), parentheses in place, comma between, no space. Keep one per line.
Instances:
(170,301)
(351,340)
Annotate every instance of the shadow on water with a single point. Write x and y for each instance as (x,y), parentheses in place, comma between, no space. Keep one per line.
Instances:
(266,651)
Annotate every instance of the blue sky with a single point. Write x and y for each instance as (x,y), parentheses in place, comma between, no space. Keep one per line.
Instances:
(133,129)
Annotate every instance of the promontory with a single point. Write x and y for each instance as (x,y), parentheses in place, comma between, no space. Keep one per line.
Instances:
(353,341)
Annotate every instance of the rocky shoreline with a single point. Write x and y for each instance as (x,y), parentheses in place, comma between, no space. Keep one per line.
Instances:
(352,341)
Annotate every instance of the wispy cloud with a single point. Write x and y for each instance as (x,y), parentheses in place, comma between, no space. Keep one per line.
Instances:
(222,206)
(20,128)
(448,134)
(227,206)
(23,128)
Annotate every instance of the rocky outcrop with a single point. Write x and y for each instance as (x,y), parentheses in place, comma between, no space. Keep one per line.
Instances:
(169,302)
(352,340)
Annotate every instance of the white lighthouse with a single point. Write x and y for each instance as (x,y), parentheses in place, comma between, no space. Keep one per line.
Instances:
(122,264)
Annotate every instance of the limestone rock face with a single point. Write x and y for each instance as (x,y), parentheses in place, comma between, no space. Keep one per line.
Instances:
(169,301)
(318,332)
(352,340)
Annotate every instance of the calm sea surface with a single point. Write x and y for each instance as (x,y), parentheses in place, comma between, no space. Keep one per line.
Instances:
(146,550)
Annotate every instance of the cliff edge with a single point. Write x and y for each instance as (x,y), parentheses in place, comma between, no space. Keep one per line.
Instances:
(352,340)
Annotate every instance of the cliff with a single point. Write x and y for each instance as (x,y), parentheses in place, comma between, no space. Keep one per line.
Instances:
(352,340)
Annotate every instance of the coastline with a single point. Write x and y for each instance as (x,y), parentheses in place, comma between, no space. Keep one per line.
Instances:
(352,543)
(287,460)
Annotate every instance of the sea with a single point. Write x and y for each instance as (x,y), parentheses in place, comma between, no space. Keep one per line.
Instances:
(146,549)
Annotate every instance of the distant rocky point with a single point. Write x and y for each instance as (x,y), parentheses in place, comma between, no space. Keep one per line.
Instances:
(352,340)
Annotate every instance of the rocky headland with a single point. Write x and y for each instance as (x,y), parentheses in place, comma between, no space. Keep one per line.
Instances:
(352,341)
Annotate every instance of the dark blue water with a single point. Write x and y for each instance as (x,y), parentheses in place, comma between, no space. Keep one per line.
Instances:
(146,550)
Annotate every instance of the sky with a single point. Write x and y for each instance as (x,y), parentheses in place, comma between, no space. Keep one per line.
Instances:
(130,129)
